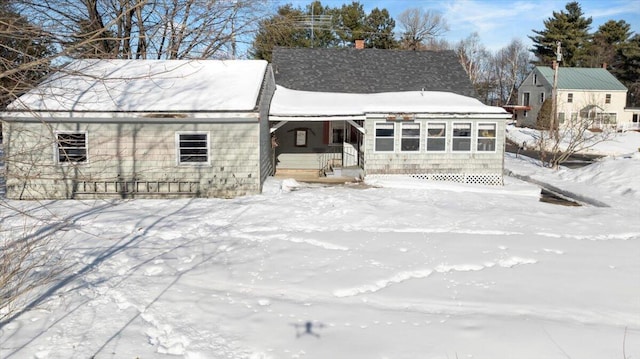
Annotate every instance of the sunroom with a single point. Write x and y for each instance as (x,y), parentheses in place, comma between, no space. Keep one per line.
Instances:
(424,134)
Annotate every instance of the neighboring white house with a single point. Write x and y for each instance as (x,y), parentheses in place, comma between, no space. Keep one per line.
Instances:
(141,128)
(582,93)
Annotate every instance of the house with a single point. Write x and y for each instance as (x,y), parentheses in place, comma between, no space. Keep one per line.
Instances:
(582,93)
(383,112)
(141,128)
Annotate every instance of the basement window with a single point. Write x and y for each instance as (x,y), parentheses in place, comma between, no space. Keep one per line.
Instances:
(71,147)
(193,148)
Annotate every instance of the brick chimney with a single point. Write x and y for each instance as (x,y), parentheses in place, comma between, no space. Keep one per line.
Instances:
(604,65)
(360,44)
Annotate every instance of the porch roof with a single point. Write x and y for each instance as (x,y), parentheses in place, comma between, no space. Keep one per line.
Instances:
(287,103)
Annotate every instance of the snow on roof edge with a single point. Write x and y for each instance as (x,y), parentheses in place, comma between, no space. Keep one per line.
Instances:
(294,103)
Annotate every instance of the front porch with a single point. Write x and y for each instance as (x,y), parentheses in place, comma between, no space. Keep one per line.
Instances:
(319,150)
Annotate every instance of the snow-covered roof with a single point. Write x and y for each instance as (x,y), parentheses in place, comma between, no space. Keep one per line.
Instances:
(293,103)
(149,86)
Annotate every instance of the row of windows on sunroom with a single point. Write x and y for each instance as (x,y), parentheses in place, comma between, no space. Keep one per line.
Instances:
(409,137)
(191,148)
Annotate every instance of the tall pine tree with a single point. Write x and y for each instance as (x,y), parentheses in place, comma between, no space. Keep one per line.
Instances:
(571,28)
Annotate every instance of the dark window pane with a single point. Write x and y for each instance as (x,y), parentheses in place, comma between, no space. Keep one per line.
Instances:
(436,144)
(410,144)
(384,144)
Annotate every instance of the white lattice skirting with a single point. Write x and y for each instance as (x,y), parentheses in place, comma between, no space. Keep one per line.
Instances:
(490,179)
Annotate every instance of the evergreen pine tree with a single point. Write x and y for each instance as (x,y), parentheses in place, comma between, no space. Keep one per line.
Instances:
(571,28)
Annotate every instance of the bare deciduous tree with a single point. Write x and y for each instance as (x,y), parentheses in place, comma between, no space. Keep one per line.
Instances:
(557,144)
(419,26)
(511,65)
(475,60)
(144,29)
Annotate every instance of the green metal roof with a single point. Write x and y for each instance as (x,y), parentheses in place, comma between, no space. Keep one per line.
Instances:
(582,78)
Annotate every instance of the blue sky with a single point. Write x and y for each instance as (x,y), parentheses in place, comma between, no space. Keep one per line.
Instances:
(499,21)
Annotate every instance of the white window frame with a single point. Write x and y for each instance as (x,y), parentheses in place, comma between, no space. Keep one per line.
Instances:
(178,149)
(607,98)
(403,137)
(444,137)
(57,147)
(375,137)
(542,97)
(454,137)
(570,97)
(526,98)
(493,138)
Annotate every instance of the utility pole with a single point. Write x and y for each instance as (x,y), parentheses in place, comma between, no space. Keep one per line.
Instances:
(554,92)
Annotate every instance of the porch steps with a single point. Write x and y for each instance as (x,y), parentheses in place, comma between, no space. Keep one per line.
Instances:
(315,176)
(345,172)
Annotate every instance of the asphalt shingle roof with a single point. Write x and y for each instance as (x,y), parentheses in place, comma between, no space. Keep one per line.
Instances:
(582,78)
(369,70)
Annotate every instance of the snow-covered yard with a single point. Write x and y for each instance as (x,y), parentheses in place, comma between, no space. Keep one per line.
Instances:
(393,269)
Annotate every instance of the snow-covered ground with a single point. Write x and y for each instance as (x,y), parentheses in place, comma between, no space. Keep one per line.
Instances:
(391,269)
(621,143)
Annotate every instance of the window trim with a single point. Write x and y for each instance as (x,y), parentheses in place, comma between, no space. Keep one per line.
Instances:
(426,147)
(375,136)
(607,98)
(178,148)
(570,97)
(419,137)
(494,138)
(470,137)
(56,148)
(526,98)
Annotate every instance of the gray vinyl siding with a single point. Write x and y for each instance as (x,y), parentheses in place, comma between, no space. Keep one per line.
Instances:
(144,152)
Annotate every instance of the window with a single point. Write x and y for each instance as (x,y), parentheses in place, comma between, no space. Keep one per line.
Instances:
(410,137)
(607,98)
(461,137)
(535,79)
(436,137)
(384,136)
(193,148)
(301,137)
(541,97)
(71,147)
(570,98)
(635,118)
(336,133)
(486,137)
(525,99)
(561,116)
